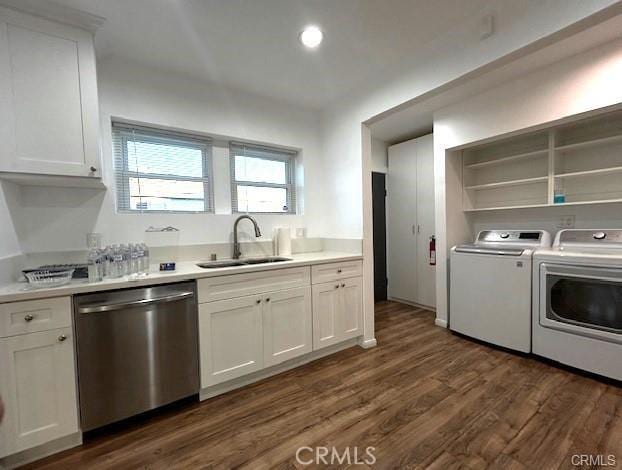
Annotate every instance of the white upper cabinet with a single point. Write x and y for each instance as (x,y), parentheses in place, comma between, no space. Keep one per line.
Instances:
(48,95)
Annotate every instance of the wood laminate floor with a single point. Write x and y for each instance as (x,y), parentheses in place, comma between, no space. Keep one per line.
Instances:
(424,398)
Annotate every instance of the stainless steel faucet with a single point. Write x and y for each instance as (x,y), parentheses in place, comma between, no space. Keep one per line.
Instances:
(236,245)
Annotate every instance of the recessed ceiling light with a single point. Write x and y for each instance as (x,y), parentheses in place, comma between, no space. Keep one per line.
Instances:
(311,37)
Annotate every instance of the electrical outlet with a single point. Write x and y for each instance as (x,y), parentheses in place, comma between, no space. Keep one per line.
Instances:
(566,221)
(301,232)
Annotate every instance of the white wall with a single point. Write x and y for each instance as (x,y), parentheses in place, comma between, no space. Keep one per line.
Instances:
(9,243)
(55,219)
(581,83)
(517,22)
(379,155)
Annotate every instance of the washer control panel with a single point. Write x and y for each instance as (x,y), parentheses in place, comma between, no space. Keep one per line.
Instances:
(510,236)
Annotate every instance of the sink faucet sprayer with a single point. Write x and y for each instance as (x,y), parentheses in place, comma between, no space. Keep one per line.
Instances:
(236,245)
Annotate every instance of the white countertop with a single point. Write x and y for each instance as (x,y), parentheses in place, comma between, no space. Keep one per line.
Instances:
(186,270)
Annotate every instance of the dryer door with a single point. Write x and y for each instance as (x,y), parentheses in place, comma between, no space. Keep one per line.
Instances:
(584,300)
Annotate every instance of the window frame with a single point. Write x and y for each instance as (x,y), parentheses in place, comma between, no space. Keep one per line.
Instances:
(277,154)
(124,132)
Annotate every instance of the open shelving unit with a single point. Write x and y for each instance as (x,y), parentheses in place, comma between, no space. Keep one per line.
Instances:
(580,162)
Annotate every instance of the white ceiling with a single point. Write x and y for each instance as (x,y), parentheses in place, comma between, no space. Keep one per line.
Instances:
(416,119)
(253,45)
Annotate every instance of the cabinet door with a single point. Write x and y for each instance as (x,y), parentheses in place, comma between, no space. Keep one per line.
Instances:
(326,311)
(402,221)
(351,308)
(287,325)
(426,274)
(37,381)
(230,339)
(48,97)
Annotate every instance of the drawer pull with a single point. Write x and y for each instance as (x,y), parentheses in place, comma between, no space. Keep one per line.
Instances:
(339,271)
(258,301)
(268,299)
(28,318)
(336,286)
(343,285)
(62,338)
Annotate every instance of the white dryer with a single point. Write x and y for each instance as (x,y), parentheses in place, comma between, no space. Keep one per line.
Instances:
(490,287)
(577,305)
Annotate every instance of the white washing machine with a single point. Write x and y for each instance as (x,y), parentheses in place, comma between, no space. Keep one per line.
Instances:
(490,286)
(577,305)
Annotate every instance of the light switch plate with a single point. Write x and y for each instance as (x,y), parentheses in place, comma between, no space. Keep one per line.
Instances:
(566,221)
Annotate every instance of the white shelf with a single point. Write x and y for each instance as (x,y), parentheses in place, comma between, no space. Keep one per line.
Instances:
(503,184)
(582,203)
(600,171)
(511,158)
(528,206)
(591,143)
(499,208)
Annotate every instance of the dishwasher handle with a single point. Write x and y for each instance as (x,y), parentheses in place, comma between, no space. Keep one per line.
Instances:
(134,303)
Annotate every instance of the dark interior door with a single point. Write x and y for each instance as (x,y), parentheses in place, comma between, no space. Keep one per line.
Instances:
(379,194)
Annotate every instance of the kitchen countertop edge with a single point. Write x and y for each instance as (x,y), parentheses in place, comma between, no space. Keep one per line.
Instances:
(186,271)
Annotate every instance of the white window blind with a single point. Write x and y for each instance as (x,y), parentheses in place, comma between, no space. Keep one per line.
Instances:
(161,171)
(263,179)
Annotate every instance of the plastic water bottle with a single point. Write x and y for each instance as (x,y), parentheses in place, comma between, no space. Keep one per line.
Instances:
(116,266)
(145,257)
(94,262)
(135,261)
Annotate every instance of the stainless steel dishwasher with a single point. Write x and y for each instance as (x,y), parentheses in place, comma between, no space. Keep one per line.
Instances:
(137,349)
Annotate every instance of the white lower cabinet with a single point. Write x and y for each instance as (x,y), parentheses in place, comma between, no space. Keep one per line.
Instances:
(230,338)
(38,385)
(243,335)
(287,325)
(337,311)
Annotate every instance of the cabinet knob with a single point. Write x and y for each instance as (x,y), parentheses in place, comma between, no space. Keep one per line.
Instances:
(339,271)
(267,299)
(343,285)
(258,301)
(336,286)
(93,169)
(62,338)
(29,317)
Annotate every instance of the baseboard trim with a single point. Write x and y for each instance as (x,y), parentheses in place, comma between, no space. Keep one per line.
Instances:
(368,343)
(412,304)
(440,322)
(225,387)
(44,450)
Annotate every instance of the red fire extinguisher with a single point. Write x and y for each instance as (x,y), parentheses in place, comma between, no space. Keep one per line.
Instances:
(432,250)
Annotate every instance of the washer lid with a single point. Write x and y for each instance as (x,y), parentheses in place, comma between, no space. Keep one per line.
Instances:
(490,250)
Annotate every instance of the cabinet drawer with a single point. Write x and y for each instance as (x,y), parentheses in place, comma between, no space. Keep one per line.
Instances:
(238,285)
(17,318)
(330,272)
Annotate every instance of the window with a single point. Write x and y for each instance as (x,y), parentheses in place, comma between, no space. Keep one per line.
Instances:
(161,171)
(263,179)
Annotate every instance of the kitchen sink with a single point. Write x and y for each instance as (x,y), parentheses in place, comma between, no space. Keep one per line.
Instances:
(227,263)
(267,259)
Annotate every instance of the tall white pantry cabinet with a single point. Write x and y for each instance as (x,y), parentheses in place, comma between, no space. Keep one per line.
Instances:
(410,221)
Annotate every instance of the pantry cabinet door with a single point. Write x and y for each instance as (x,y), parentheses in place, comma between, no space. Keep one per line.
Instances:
(37,382)
(48,96)
(351,308)
(230,339)
(287,325)
(326,312)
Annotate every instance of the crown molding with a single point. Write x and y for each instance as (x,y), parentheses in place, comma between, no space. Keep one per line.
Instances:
(56,12)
